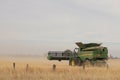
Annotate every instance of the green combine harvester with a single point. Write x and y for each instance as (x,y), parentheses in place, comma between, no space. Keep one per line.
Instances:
(85,54)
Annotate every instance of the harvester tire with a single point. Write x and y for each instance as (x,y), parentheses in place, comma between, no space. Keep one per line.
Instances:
(73,62)
(79,62)
(87,63)
(70,62)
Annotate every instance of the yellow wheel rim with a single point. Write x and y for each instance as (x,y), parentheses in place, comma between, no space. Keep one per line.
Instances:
(73,63)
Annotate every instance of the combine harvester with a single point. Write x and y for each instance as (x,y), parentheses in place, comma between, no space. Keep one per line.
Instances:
(87,54)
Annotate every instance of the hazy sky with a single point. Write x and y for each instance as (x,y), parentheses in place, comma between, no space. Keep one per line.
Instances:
(37,26)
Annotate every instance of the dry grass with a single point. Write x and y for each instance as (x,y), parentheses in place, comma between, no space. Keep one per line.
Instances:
(41,69)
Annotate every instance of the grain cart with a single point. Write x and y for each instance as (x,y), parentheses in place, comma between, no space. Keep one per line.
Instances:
(88,54)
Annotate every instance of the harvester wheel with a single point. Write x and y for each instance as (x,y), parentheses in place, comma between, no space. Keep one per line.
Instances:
(70,62)
(79,62)
(73,62)
(87,63)
(101,63)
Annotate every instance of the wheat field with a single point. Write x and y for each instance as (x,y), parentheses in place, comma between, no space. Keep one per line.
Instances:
(41,69)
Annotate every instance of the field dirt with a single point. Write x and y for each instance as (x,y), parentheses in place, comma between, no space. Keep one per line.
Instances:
(41,69)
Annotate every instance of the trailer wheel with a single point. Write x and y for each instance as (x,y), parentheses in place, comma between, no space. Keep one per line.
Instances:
(59,60)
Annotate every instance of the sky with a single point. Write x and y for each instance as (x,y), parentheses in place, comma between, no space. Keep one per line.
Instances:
(34,27)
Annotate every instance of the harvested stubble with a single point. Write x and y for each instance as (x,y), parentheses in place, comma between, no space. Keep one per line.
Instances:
(41,69)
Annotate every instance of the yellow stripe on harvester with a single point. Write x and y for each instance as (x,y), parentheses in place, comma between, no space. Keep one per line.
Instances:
(86,54)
